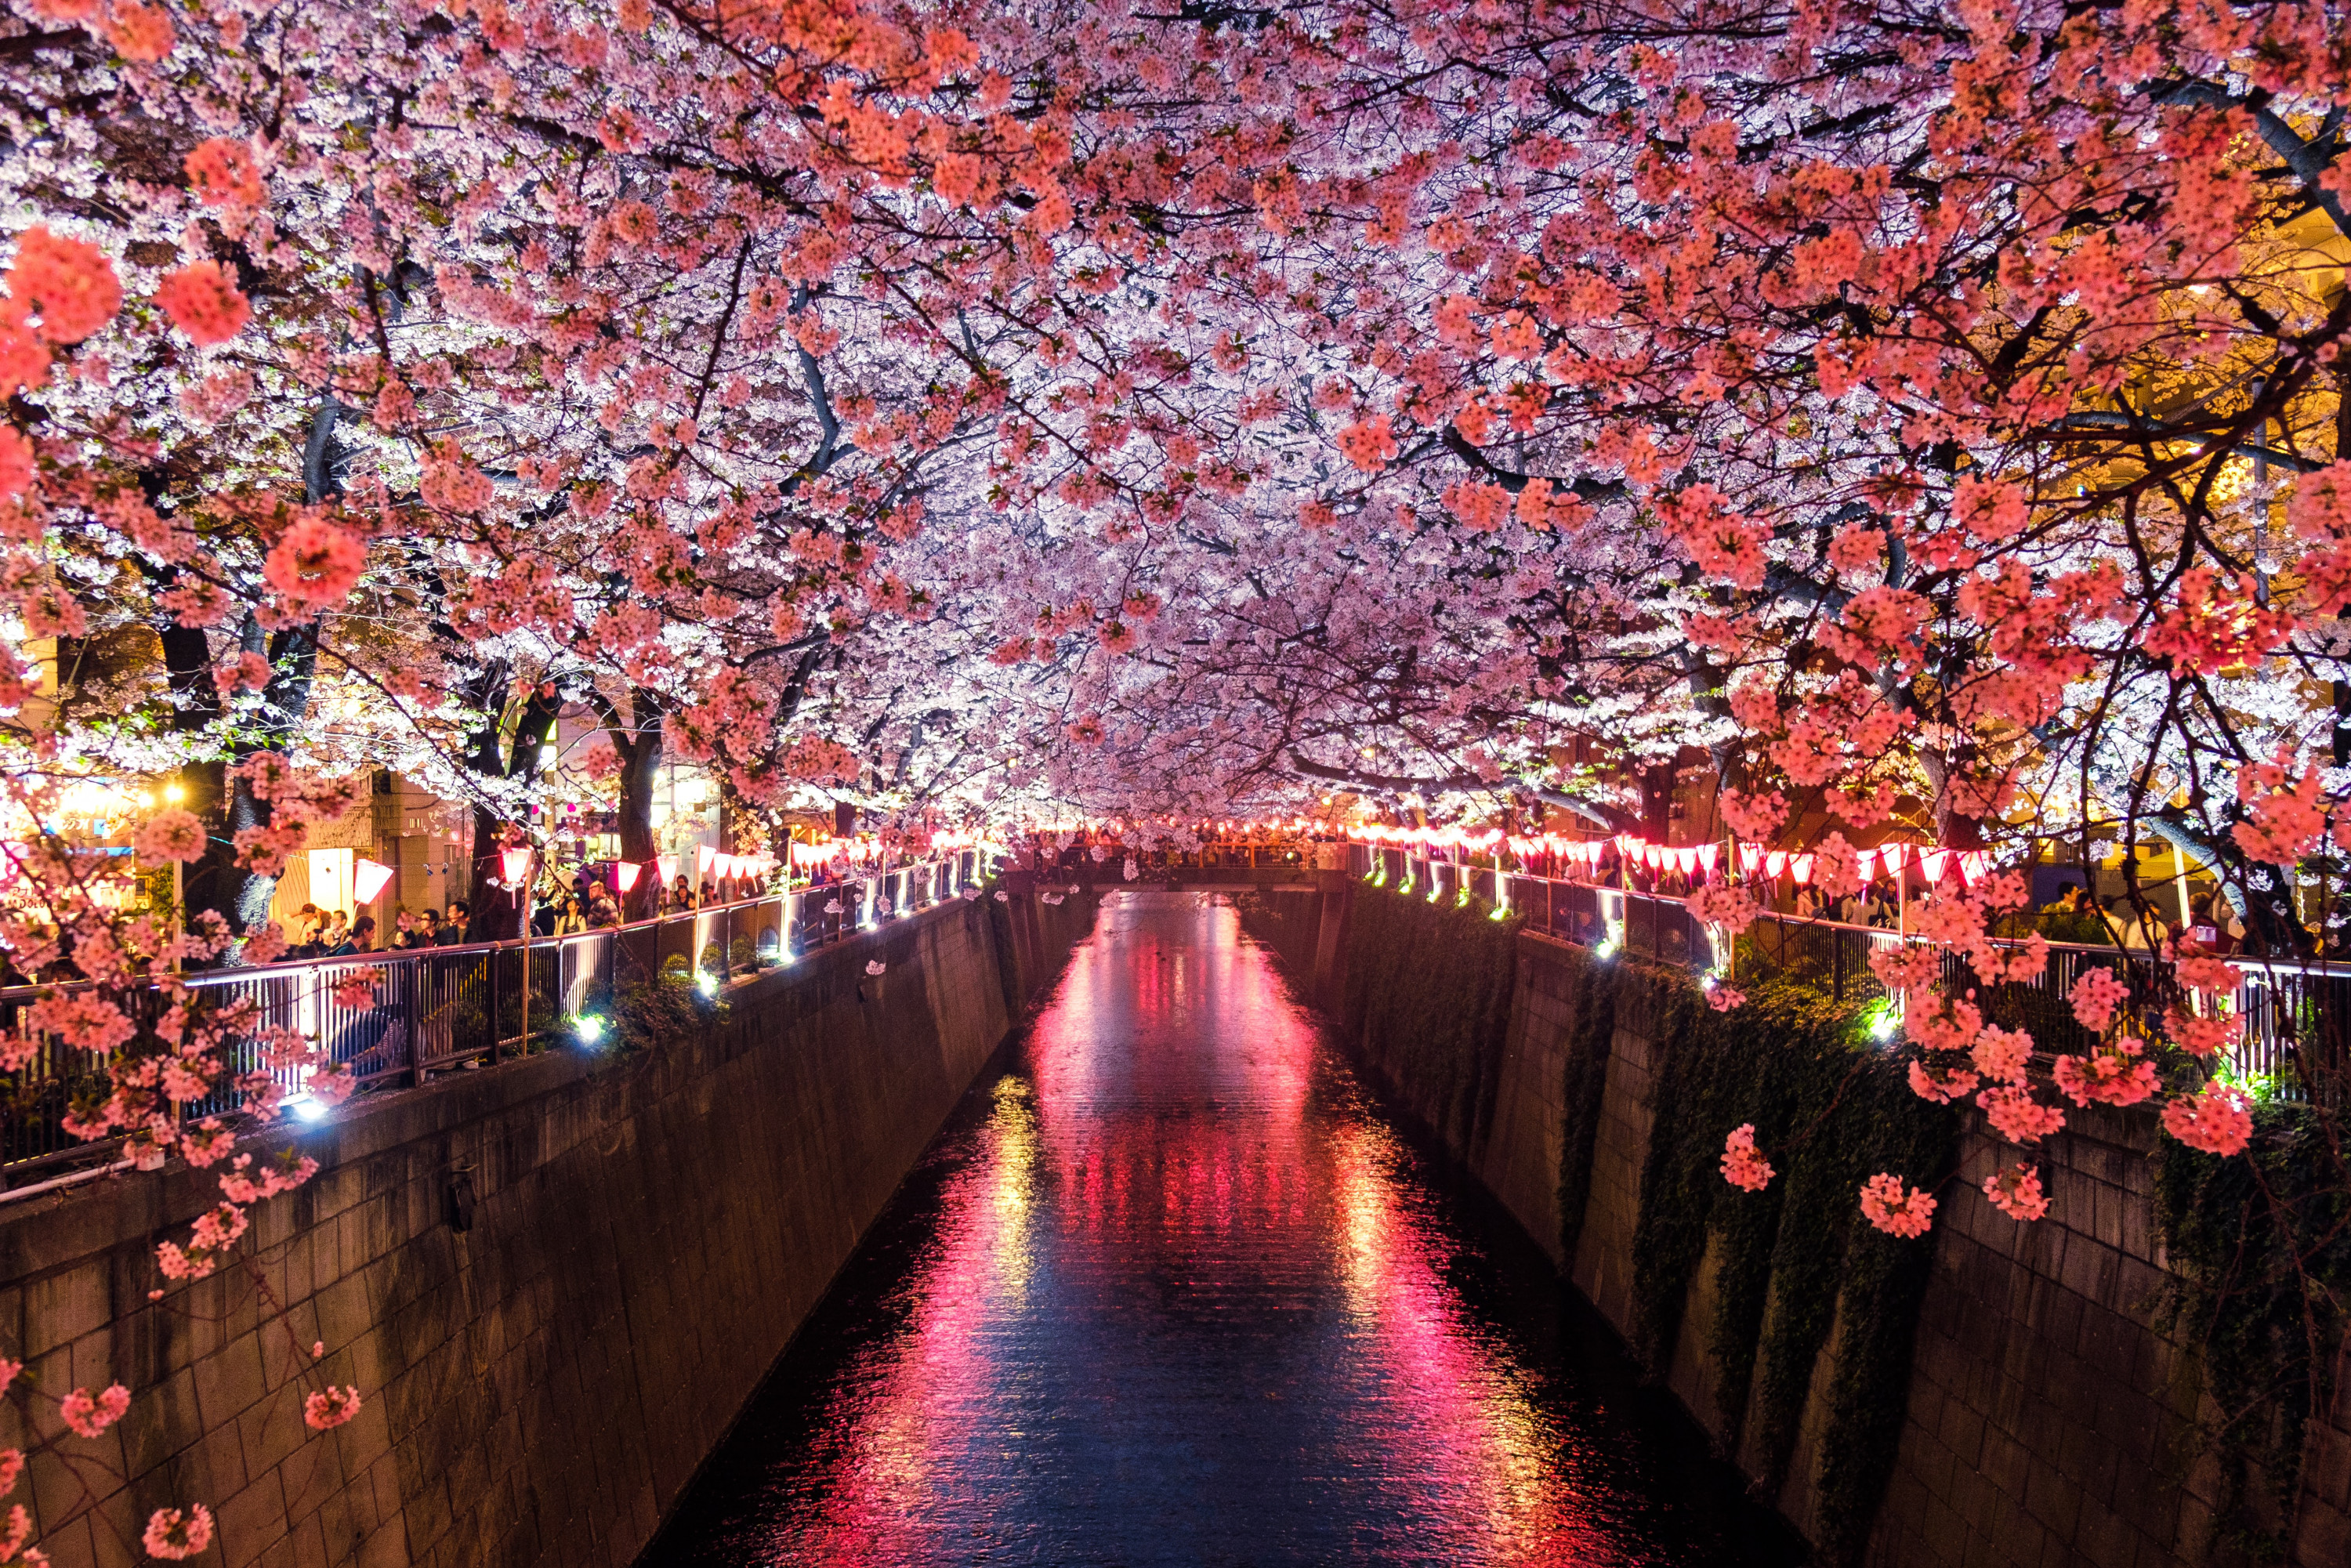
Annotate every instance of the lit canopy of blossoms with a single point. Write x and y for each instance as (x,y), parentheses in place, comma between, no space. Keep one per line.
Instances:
(1899,410)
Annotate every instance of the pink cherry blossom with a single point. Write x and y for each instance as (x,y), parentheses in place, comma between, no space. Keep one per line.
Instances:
(2095,995)
(91,1415)
(330,1407)
(316,564)
(2015,1191)
(2017,1116)
(1895,1210)
(176,1535)
(1742,1166)
(2113,1074)
(2216,1119)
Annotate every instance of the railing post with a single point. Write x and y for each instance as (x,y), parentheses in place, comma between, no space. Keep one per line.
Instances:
(409,972)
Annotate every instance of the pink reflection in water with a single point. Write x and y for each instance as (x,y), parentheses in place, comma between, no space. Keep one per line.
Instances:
(1186,1302)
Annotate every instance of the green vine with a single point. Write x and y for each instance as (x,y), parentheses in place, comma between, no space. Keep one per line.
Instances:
(1588,1036)
(2260,1249)
(1792,1261)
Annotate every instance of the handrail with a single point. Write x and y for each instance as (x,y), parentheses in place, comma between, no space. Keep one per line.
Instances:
(2293,1009)
(435,1010)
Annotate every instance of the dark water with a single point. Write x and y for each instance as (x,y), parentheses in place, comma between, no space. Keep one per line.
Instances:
(1171,1289)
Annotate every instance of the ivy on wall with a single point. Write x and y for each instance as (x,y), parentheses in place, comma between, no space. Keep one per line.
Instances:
(1793,1263)
(1588,993)
(2260,1249)
(1289,923)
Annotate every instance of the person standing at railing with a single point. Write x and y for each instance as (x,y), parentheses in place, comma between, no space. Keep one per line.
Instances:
(423,931)
(568,918)
(2128,929)
(359,939)
(454,929)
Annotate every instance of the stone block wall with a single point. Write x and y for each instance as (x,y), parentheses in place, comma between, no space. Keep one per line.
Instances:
(555,1281)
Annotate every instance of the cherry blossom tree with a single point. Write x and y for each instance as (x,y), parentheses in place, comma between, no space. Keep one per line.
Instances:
(1918,415)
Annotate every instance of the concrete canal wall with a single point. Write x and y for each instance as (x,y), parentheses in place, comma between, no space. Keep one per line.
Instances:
(2048,1419)
(555,1281)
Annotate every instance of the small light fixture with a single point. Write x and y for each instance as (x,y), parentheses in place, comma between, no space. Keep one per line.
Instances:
(590,1029)
(309,1107)
(707,984)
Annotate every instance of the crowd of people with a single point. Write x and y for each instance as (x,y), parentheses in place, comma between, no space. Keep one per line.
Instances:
(561,908)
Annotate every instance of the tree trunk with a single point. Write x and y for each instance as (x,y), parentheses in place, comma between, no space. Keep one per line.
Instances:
(641,766)
(216,882)
(496,912)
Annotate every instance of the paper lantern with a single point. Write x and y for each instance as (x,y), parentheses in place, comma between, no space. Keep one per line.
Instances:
(1801,868)
(513,863)
(1934,863)
(1974,863)
(625,874)
(705,859)
(1706,854)
(1750,857)
(1864,864)
(1775,864)
(665,866)
(1685,859)
(368,878)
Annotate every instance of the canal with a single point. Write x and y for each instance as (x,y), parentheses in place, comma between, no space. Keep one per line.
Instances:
(1170,1289)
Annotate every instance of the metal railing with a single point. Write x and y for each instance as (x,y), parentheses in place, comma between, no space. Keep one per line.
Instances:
(2296,1013)
(395,1017)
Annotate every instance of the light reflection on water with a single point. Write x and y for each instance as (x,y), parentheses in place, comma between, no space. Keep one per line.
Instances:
(1170,1291)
